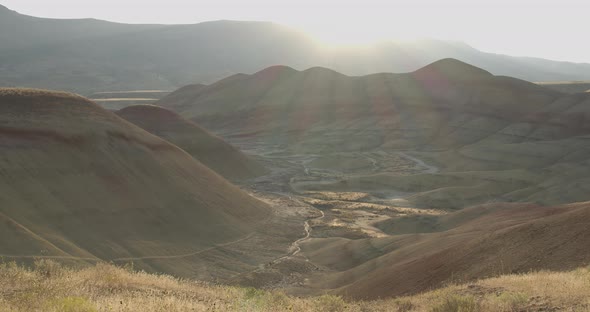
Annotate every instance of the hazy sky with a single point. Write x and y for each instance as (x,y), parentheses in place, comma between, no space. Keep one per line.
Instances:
(544,28)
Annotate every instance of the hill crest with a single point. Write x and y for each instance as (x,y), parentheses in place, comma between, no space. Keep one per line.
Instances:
(207,148)
(450,68)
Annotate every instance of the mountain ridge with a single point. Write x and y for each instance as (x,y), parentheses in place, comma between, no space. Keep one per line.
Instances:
(88,56)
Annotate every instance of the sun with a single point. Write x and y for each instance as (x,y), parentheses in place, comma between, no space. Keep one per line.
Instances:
(335,32)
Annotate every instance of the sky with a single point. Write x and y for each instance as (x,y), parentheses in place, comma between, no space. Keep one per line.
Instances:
(553,29)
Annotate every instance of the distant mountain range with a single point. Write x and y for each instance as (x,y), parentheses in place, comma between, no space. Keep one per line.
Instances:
(88,55)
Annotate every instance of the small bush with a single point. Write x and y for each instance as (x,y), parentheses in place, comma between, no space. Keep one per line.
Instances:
(253,293)
(403,305)
(70,304)
(512,301)
(328,303)
(260,300)
(455,303)
(278,300)
(11,271)
(48,268)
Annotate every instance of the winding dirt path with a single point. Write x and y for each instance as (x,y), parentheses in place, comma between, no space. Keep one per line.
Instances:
(419,162)
(373,163)
(296,246)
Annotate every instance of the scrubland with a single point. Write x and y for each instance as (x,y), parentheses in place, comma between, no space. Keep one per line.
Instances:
(49,286)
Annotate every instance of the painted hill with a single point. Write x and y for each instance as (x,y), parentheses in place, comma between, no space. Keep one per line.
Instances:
(500,239)
(87,55)
(441,105)
(79,183)
(211,150)
(495,138)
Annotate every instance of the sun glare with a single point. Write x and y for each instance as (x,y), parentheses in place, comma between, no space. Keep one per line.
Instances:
(338,34)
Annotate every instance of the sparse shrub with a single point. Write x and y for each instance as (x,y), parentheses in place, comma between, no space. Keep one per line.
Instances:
(456,303)
(70,304)
(254,299)
(328,303)
(129,267)
(278,300)
(11,271)
(253,293)
(258,299)
(114,277)
(48,268)
(512,301)
(403,305)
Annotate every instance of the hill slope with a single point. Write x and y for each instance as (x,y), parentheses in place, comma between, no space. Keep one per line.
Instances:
(501,239)
(204,146)
(80,183)
(88,55)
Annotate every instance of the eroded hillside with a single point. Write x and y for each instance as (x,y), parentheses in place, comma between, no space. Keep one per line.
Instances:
(80,184)
(204,146)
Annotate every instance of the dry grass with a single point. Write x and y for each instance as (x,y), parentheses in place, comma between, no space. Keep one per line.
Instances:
(49,286)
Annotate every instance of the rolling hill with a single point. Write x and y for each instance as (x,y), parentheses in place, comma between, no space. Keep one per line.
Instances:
(210,150)
(495,138)
(485,241)
(80,184)
(88,56)
(445,104)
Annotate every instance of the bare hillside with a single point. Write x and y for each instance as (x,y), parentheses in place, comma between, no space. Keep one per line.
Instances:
(204,146)
(79,183)
(479,242)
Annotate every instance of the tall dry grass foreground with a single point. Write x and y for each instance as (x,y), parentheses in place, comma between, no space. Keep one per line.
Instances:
(48,286)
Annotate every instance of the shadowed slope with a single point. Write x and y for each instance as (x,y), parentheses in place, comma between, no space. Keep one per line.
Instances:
(503,239)
(79,182)
(204,146)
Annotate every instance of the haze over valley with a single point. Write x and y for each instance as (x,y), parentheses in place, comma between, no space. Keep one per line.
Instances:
(247,166)
(88,56)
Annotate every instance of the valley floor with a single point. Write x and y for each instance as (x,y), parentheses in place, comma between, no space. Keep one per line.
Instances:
(331,214)
(363,226)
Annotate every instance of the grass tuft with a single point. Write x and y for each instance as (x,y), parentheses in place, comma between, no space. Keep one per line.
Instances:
(457,303)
